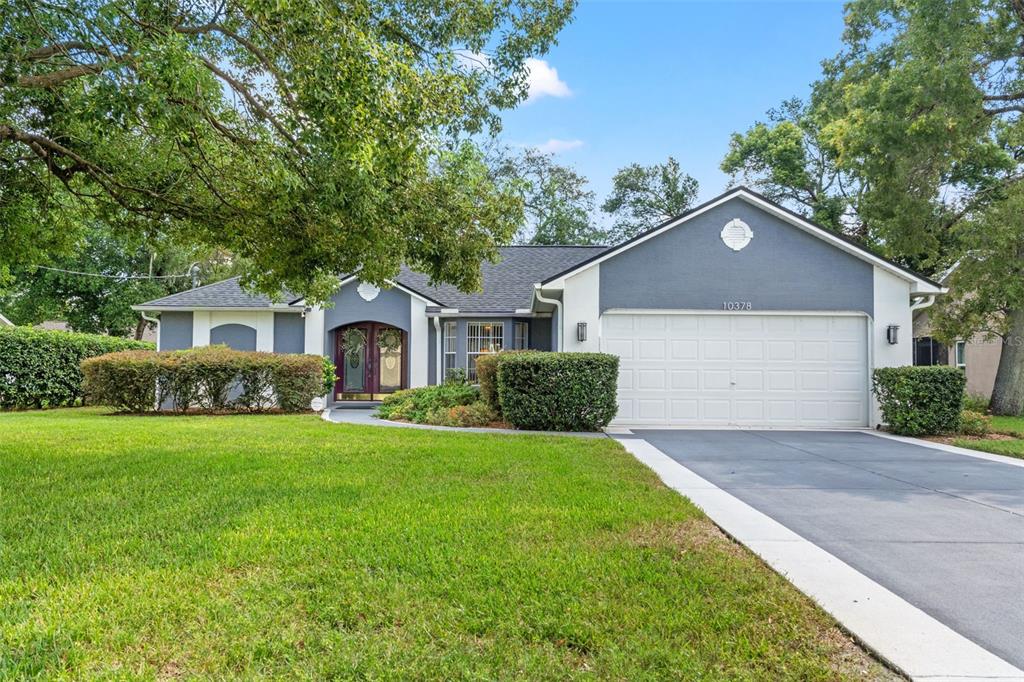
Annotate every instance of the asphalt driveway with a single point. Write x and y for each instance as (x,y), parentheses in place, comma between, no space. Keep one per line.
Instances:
(943,531)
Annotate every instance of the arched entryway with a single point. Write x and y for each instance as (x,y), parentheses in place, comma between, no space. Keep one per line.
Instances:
(370,360)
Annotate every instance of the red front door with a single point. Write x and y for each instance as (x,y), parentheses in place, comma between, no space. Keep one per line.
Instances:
(369,360)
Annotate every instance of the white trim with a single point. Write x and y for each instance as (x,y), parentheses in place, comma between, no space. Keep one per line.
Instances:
(741,193)
(418,344)
(220,309)
(899,632)
(558,309)
(473,316)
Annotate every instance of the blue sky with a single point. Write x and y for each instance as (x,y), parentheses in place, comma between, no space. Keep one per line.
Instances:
(639,81)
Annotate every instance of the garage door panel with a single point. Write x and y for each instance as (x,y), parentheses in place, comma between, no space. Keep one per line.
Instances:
(760,370)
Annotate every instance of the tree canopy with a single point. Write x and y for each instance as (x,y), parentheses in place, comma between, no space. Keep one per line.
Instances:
(558,205)
(643,196)
(310,137)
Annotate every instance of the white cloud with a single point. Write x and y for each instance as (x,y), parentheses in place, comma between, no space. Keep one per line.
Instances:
(543,81)
(556,146)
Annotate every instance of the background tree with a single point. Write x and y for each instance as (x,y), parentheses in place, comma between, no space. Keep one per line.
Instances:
(559,207)
(923,106)
(643,196)
(309,137)
(121,273)
(786,160)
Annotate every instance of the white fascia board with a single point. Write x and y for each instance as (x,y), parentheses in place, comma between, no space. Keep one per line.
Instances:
(391,283)
(188,309)
(922,286)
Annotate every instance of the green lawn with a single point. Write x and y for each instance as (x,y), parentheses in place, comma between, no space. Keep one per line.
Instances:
(284,546)
(1012,426)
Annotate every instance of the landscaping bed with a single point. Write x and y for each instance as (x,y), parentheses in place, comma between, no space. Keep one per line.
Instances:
(284,546)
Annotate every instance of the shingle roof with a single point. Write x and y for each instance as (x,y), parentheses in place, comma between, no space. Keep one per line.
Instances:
(227,293)
(507,284)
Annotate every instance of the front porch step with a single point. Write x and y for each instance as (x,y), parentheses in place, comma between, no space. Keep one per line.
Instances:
(355,404)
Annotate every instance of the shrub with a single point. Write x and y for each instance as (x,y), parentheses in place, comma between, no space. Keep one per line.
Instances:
(214,378)
(976,402)
(487,377)
(473,414)
(329,375)
(973,423)
(558,391)
(920,401)
(455,375)
(415,404)
(41,368)
(487,368)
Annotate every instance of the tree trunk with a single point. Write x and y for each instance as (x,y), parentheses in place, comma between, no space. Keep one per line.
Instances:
(140,328)
(1008,393)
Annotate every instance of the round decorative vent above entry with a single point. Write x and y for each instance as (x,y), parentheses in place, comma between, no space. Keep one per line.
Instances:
(367,291)
(736,234)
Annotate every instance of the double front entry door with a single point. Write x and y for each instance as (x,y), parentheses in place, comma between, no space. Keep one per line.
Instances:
(369,358)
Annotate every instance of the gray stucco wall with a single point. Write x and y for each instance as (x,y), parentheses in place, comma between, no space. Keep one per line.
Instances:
(432,352)
(236,336)
(289,333)
(175,330)
(540,333)
(783,268)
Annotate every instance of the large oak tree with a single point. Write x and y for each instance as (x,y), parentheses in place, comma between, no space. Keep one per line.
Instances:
(310,137)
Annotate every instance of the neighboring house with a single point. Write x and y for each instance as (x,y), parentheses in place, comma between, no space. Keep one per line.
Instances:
(738,312)
(978,356)
(148,334)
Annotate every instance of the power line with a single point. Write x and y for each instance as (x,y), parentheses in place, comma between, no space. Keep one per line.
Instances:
(193,272)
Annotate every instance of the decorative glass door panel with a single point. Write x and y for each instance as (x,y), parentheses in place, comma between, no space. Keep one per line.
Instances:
(389,366)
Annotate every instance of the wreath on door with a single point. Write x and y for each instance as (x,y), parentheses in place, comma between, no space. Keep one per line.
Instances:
(353,341)
(389,340)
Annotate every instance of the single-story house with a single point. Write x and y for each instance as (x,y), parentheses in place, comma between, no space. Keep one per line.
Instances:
(738,312)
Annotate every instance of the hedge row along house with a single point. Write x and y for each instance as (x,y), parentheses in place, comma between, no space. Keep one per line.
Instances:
(738,312)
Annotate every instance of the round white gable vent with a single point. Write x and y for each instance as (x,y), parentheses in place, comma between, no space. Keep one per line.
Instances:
(736,234)
(367,291)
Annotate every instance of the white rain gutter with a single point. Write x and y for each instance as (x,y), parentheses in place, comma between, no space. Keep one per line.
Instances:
(558,308)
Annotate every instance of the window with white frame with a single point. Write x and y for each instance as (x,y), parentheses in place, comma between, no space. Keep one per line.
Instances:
(961,354)
(482,338)
(449,340)
(520,335)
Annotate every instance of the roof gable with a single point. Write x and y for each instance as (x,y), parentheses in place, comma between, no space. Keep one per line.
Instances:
(836,240)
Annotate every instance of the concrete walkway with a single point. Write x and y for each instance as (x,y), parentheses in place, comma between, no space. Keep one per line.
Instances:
(917,550)
(366,418)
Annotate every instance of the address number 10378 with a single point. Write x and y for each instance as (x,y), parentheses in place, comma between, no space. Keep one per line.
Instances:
(737,305)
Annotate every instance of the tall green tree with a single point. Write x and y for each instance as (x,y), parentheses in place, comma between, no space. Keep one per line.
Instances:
(95,287)
(643,196)
(785,159)
(559,207)
(309,137)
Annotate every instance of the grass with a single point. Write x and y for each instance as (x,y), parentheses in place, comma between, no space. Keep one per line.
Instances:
(1010,426)
(284,546)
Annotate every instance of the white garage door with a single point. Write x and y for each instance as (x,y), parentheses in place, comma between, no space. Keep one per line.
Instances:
(750,370)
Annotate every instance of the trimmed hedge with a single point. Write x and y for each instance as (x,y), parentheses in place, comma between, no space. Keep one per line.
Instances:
(41,368)
(487,376)
(920,401)
(558,391)
(212,378)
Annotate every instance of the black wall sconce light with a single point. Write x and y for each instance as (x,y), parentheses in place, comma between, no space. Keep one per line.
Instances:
(892,334)
(581,331)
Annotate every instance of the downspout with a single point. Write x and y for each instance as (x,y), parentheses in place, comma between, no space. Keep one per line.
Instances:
(156,321)
(438,370)
(922,303)
(558,309)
